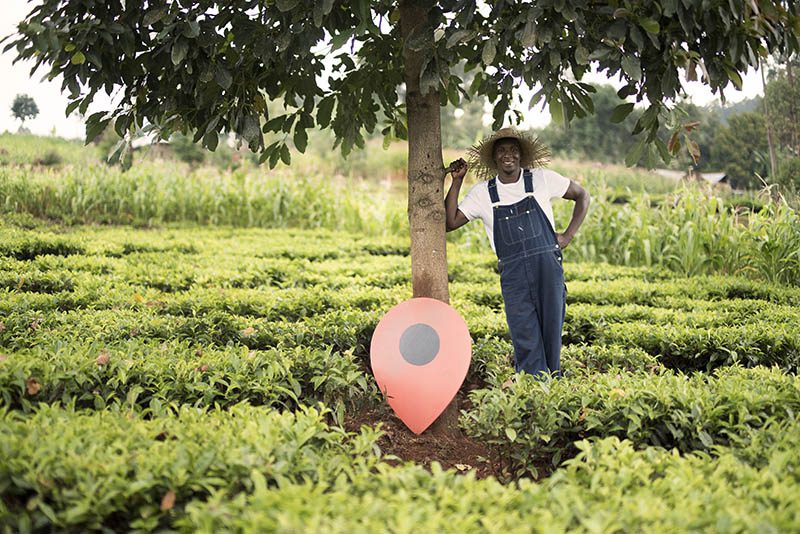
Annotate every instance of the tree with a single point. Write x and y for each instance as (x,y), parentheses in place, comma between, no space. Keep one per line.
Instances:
(203,67)
(24,108)
(782,95)
(742,148)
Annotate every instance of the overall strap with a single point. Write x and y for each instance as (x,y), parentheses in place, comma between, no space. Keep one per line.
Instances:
(527,175)
(493,196)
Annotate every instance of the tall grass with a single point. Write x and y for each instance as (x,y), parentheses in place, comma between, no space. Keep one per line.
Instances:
(694,232)
(27,149)
(690,229)
(152,194)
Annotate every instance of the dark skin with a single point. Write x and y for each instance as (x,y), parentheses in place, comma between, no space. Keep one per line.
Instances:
(507,156)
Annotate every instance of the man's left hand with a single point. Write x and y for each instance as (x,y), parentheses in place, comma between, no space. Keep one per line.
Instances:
(563,240)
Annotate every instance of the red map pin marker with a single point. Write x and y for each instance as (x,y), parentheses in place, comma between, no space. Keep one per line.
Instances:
(420,355)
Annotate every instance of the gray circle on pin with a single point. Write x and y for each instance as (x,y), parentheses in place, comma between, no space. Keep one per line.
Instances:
(419,344)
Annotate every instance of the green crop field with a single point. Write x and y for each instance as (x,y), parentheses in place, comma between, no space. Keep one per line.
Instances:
(181,350)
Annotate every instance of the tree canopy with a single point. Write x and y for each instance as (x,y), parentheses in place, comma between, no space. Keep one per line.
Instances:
(204,67)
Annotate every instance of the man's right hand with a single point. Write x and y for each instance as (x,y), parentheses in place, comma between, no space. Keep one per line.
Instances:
(458,169)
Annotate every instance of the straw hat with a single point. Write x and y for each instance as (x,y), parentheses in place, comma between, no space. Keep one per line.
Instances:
(534,153)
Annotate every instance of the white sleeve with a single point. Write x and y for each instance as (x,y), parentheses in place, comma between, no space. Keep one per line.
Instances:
(470,205)
(557,185)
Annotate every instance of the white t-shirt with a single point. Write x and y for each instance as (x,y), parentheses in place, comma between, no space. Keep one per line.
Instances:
(547,184)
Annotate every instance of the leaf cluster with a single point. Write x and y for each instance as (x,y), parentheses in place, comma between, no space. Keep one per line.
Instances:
(205,67)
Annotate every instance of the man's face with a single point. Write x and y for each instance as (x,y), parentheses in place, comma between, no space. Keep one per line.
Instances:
(507,155)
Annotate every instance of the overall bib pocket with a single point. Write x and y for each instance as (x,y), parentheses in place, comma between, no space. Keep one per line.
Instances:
(517,228)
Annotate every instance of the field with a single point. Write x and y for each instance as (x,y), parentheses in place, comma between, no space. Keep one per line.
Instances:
(188,350)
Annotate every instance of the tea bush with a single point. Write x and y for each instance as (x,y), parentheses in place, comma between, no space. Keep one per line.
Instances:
(66,470)
(138,374)
(688,413)
(608,487)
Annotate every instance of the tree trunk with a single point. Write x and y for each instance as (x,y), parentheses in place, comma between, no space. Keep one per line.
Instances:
(770,141)
(426,215)
(792,107)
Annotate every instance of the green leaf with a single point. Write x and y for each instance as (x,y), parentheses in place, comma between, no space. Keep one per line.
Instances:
(179,51)
(489,51)
(635,154)
(511,434)
(78,58)
(650,25)
(556,110)
(275,124)
(636,37)
(121,124)
(251,130)
(210,140)
(286,5)
(300,140)
(632,67)
(153,16)
(324,110)
(223,77)
(192,29)
(286,156)
(581,55)
(529,34)
(734,77)
(458,37)
(116,151)
(663,150)
(95,127)
(621,111)
(71,106)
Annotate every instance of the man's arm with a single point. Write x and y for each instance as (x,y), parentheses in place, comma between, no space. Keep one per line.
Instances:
(581,197)
(453,216)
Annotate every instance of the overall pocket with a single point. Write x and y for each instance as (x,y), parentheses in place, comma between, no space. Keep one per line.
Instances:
(518,228)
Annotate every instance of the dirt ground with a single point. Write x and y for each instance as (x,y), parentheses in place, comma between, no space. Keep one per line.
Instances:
(458,451)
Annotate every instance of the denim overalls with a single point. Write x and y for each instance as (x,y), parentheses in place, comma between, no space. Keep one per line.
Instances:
(531,280)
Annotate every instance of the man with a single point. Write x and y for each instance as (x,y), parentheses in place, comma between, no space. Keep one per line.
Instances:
(514,205)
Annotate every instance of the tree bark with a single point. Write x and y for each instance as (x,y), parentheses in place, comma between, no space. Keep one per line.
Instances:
(425,168)
(426,215)
(770,141)
(792,107)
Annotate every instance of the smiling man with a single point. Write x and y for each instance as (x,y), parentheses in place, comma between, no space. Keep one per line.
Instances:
(513,201)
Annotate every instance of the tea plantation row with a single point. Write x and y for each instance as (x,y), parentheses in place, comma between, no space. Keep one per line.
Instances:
(196,379)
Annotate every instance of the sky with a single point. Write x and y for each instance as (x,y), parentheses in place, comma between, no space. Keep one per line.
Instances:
(51,103)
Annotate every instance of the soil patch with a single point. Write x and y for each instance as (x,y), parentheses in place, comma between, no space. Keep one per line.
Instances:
(458,452)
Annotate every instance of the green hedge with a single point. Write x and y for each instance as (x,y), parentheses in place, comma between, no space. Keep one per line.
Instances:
(144,374)
(63,470)
(608,487)
(534,419)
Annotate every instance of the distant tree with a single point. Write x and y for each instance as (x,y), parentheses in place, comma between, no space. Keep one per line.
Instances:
(741,147)
(748,104)
(187,151)
(789,175)
(24,108)
(782,95)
